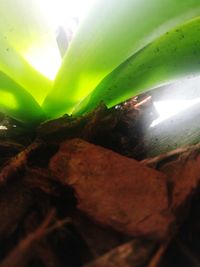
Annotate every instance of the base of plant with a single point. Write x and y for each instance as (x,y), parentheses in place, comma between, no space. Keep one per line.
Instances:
(41,214)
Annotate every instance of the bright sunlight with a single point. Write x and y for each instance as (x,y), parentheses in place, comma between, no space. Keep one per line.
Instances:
(63,16)
(169,108)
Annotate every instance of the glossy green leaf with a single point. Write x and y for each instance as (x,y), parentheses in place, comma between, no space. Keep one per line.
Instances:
(18,103)
(113,31)
(173,56)
(14,65)
(24,35)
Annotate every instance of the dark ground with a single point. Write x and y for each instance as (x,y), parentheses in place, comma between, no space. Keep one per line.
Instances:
(40,224)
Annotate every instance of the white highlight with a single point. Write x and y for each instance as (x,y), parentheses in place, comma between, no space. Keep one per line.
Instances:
(188,87)
(65,13)
(168,109)
(62,12)
(45,59)
(3,128)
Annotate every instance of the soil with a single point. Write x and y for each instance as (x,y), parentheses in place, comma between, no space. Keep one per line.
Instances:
(84,192)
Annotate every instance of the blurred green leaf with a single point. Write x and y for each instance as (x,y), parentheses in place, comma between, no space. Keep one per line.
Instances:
(14,65)
(18,103)
(113,31)
(24,34)
(173,56)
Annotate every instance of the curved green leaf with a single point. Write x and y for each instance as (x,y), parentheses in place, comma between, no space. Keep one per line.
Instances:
(25,35)
(15,66)
(171,57)
(18,103)
(113,31)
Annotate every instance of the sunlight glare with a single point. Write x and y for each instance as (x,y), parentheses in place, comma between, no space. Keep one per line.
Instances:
(58,13)
(64,12)
(46,60)
(168,109)
(185,94)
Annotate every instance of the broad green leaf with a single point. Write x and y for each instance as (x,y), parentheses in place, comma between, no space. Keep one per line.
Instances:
(18,103)
(27,37)
(113,31)
(14,65)
(171,57)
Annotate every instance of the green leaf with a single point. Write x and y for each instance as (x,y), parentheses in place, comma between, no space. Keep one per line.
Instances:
(113,31)
(14,65)
(25,35)
(171,57)
(18,103)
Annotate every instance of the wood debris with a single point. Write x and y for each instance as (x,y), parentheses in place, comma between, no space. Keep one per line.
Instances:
(114,190)
(110,210)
